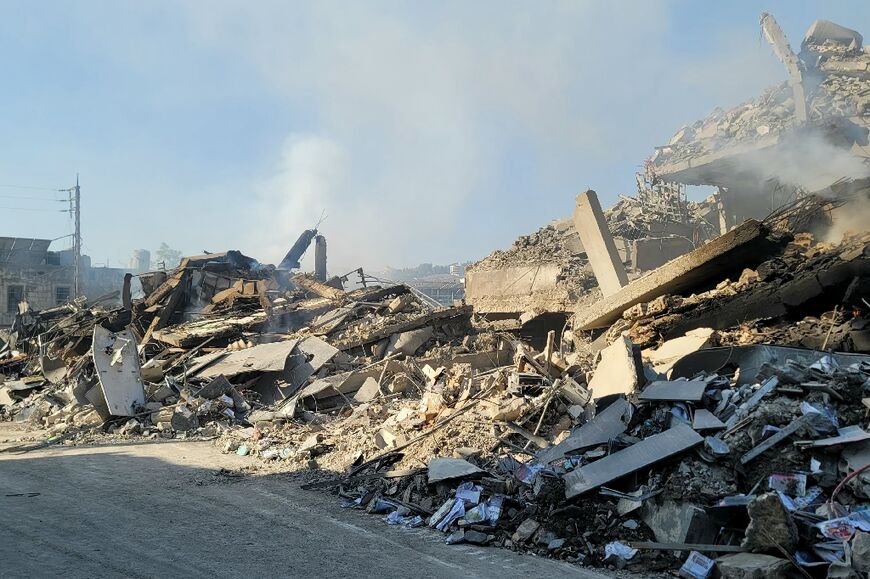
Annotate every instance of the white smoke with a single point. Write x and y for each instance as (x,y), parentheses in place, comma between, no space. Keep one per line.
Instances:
(308,179)
(808,162)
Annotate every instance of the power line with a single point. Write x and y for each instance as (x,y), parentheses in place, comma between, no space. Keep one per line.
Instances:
(32,209)
(28,187)
(33,198)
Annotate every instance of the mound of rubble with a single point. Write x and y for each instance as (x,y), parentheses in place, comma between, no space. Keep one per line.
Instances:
(837,84)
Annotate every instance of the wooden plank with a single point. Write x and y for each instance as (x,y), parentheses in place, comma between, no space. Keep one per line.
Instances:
(317,288)
(642,454)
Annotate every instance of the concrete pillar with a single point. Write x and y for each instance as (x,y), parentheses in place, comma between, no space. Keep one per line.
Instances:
(320,258)
(598,243)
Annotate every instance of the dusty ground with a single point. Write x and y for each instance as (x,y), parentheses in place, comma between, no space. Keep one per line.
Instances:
(159,509)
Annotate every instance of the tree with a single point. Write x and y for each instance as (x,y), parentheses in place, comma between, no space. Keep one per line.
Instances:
(167,257)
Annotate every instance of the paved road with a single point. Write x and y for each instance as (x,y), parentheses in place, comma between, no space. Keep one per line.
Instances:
(157,509)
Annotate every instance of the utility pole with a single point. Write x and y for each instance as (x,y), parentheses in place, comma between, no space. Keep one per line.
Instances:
(77,239)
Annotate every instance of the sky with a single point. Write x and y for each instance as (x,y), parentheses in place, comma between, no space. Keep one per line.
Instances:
(422,131)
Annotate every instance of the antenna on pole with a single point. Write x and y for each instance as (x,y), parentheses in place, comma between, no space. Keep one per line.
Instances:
(77,239)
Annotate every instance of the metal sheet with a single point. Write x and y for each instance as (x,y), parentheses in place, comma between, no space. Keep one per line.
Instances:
(610,423)
(674,390)
(117,363)
(706,420)
(270,357)
(645,453)
(311,354)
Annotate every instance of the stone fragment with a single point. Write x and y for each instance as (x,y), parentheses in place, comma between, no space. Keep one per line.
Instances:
(752,566)
(861,552)
(525,531)
(770,525)
(618,372)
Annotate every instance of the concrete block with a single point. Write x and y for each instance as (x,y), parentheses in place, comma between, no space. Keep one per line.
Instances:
(368,391)
(665,356)
(752,566)
(618,372)
(514,290)
(600,248)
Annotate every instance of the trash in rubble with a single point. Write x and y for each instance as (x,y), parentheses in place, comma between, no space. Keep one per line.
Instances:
(697,566)
(456,511)
(844,528)
(620,550)
(469,493)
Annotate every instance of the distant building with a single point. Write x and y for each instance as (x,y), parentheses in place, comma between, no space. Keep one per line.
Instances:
(30,272)
(141,261)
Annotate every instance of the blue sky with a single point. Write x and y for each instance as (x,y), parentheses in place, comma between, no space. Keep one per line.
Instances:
(427,132)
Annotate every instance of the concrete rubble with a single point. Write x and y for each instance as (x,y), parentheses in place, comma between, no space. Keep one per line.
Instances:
(709,414)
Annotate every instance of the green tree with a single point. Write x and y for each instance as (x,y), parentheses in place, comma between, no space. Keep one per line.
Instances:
(168,256)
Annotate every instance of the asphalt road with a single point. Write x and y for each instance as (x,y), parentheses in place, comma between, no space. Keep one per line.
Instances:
(158,510)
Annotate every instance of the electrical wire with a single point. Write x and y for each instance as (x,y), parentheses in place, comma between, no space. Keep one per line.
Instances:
(28,198)
(32,209)
(29,187)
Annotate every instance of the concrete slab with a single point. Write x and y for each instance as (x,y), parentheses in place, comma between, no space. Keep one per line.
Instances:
(741,247)
(610,423)
(514,290)
(653,252)
(674,390)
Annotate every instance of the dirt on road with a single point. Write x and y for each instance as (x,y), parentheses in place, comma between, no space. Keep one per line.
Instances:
(183,509)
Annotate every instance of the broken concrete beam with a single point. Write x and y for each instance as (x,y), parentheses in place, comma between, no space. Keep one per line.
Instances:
(600,247)
(742,247)
(628,460)
(665,356)
(368,391)
(409,342)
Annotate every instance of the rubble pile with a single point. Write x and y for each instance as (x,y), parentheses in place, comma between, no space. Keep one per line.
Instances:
(776,296)
(718,427)
(837,84)
(631,219)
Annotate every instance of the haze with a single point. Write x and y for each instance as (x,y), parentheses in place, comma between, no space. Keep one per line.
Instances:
(426,133)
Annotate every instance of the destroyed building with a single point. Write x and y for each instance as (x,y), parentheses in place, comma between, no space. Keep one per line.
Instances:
(707,414)
(32,274)
(796,137)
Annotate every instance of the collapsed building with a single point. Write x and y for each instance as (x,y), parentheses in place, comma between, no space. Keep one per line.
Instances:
(708,412)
